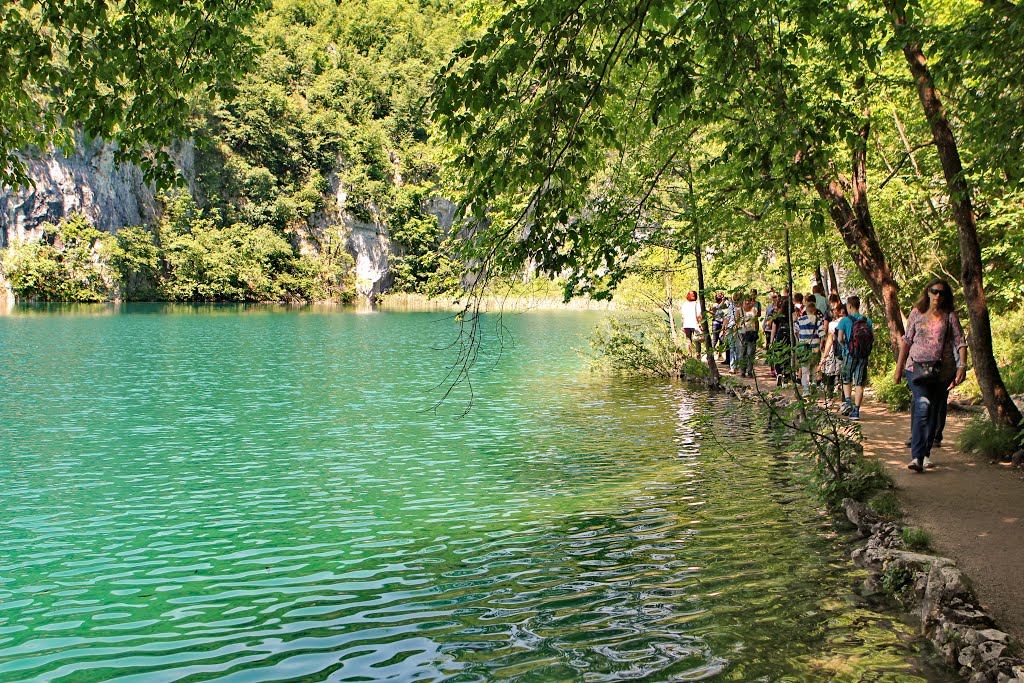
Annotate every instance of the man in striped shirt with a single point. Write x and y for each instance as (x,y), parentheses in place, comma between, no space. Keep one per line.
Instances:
(809,331)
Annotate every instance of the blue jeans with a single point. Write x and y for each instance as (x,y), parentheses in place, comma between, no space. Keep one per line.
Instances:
(735,350)
(749,351)
(927,403)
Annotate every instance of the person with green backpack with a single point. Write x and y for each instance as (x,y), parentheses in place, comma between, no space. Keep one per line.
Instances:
(856,336)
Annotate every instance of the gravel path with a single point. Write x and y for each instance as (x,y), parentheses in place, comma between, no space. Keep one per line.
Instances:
(972,508)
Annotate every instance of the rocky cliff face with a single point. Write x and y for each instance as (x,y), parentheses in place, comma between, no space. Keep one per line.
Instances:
(112,197)
(88,182)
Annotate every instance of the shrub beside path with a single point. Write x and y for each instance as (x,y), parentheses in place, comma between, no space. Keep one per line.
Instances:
(972,509)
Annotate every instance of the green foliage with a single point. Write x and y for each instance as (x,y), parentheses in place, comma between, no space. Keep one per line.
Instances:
(896,396)
(898,580)
(65,265)
(134,259)
(1008,343)
(859,477)
(915,538)
(886,504)
(1003,250)
(192,256)
(207,261)
(123,71)
(695,368)
(581,129)
(330,123)
(425,263)
(635,347)
(988,439)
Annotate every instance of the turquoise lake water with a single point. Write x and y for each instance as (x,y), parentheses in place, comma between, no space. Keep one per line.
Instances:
(271,494)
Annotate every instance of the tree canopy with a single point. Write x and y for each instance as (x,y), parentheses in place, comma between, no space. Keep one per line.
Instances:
(572,120)
(123,70)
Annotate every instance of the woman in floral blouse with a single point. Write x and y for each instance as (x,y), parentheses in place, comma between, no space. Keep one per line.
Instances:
(933,331)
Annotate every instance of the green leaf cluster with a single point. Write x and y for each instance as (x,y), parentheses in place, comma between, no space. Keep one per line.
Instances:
(123,70)
(192,256)
(66,264)
(330,123)
(639,346)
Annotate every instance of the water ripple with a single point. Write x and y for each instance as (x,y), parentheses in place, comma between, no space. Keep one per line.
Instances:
(265,497)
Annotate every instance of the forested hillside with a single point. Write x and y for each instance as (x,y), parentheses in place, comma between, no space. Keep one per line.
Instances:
(326,132)
(597,143)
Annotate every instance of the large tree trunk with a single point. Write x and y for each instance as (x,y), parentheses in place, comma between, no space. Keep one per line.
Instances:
(1000,405)
(858,233)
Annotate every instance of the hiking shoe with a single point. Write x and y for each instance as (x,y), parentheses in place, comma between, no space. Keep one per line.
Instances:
(928,464)
(855,414)
(915,465)
(845,408)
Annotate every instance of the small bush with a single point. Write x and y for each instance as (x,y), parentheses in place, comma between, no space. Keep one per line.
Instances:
(897,580)
(988,439)
(635,347)
(896,396)
(869,476)
(696,368)
(862,478)
(886,505)
(916,538)
(65,265)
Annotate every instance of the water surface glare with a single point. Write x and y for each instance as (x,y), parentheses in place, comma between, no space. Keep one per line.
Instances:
(263,494)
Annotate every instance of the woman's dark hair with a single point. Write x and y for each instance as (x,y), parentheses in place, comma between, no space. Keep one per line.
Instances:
(691,295)
(945,301)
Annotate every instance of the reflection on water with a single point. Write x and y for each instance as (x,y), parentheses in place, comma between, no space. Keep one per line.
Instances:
(247,497)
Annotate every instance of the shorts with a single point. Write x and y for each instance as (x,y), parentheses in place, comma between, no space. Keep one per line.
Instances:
(855,371)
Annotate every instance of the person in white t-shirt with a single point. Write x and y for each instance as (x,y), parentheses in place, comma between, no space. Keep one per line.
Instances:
(691,312)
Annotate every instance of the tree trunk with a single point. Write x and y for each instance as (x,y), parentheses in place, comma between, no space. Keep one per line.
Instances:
(668,301)
(715,377)
(859,234)
(794,372)
(832,276)
(818,277)
(1000,405)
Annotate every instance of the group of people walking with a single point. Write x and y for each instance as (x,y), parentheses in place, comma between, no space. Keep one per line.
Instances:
(822,342)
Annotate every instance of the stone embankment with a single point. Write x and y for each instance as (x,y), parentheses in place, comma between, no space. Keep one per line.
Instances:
(931,588)
(940,596)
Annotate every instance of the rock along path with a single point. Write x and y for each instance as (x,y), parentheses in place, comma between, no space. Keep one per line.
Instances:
(972,509)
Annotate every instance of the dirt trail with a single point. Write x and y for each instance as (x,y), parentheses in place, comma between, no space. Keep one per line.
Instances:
(972,509)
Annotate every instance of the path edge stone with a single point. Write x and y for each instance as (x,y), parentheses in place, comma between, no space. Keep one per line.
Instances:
(939,596)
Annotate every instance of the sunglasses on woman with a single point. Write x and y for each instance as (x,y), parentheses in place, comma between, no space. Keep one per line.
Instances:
(936,291)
